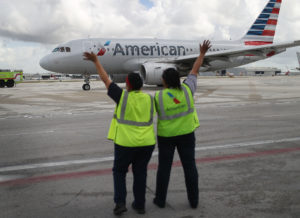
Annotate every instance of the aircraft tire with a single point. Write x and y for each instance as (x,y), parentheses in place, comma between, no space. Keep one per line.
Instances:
(86,87)
(10,83)
(2,84)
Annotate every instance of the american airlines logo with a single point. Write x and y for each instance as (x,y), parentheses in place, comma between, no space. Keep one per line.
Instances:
(148,50)
(176,101)
(103,50)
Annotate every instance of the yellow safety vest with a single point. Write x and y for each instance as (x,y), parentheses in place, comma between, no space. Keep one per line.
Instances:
(132,124)
(176,112)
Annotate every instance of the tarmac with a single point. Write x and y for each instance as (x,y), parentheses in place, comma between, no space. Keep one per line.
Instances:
(55,160)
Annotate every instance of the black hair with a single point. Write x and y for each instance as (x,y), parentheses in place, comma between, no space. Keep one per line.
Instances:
(171,78)
(135,81)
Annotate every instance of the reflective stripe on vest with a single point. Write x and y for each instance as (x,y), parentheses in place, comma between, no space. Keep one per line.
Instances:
(121,120)
(163,116)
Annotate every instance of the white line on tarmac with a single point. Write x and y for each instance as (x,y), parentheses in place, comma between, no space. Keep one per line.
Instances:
(245,144)
(28,133)
(111,158)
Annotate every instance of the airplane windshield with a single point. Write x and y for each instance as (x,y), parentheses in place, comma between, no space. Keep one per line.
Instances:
(55,50)
(62,49)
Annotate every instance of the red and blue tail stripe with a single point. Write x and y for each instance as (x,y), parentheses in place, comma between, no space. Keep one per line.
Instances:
(263,29)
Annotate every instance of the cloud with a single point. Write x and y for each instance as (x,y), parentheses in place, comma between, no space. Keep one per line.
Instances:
(42,21)
(21,55)
(57,21)
(50,22)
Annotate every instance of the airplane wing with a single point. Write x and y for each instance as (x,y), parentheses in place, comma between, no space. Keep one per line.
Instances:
(226,55)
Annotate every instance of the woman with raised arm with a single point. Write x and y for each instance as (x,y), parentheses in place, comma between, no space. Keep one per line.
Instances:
(133,134)
(177,121)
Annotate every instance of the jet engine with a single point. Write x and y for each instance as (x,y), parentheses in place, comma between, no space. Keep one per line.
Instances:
(152,72)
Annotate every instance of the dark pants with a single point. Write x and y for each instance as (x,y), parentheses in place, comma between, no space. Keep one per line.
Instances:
(185,145)
(139,158)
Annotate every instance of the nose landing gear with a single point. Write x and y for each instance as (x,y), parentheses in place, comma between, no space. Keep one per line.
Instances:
(86,86)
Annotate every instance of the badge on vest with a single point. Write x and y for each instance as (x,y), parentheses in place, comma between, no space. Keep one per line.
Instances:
(176,101)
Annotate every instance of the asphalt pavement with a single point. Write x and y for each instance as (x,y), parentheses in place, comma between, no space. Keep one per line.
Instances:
(55,160)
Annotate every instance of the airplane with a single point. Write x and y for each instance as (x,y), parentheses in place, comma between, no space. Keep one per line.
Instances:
(150,57)
(296,71)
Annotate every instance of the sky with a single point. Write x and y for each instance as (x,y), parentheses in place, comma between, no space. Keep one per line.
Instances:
(31,29)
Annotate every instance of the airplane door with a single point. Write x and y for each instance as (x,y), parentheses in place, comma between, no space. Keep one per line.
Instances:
(87,46)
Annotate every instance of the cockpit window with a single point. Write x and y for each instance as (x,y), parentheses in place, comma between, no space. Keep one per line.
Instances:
(62,49)
(55,50)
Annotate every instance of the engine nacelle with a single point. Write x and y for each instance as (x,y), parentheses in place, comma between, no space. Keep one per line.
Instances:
(118,78)
(152,72)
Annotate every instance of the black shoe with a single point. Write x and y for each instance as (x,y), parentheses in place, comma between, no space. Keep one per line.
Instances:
(194,205)
(158,203)
(138,210)
(119,209)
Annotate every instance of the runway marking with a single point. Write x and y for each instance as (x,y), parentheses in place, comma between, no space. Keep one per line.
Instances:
(111,158)
(55,164)
(152,166)
(27,133)
(246,144)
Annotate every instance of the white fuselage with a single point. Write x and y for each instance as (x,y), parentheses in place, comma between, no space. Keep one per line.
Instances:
(127,55)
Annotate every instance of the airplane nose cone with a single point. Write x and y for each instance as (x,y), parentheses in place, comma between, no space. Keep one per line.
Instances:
(44,63)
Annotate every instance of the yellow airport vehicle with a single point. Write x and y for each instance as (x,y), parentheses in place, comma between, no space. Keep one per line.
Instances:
(10,78)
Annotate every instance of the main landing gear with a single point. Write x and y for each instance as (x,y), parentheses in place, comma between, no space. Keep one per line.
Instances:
(86,86)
